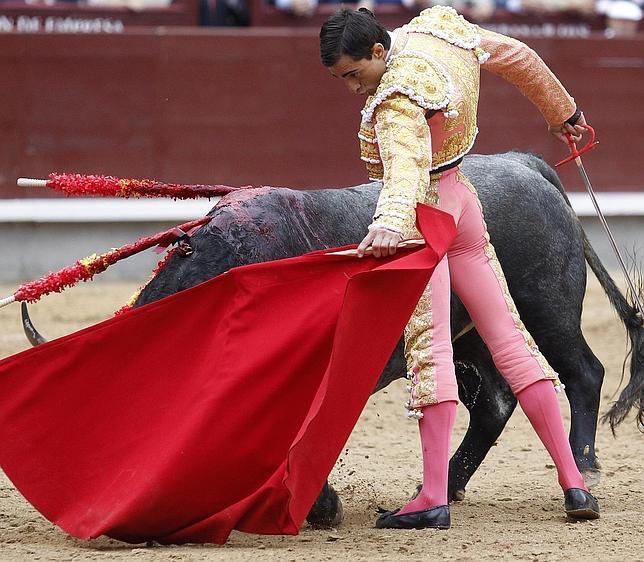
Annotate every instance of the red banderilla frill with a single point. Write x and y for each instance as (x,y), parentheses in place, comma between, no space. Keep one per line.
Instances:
(110,186)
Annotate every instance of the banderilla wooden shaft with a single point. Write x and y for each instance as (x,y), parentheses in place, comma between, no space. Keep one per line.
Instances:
(7,300)
(31,182)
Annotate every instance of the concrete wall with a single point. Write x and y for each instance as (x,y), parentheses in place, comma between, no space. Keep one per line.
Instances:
(31,248)
(39,236)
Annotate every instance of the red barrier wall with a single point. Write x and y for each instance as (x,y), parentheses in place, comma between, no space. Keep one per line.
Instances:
(256,107)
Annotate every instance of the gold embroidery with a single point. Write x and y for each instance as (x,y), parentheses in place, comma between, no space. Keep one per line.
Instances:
(404,145)
(413,81)
(431,194)
(369,152)
(418,334)
(367,133)
(418,354)
(411,136)
(444,22)
(493,260)
(465,75)
(375,172)
(416,75)
(451,149)
(453,123)
(431,198)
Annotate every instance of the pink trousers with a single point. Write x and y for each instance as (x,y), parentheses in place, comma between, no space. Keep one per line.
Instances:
(472,270)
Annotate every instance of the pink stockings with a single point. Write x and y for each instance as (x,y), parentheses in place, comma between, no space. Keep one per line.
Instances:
(473,272)
(435,436)
(540,405)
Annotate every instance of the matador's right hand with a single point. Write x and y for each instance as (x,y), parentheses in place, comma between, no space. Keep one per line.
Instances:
(383,243)
(576,130)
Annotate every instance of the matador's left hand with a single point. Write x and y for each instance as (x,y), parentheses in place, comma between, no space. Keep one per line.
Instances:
(383,243)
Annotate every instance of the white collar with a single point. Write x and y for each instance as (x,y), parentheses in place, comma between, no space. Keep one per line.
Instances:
(393,36)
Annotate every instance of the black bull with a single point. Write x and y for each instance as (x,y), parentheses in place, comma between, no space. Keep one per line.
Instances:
(542,249)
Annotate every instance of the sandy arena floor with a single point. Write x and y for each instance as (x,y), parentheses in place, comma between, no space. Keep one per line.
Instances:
(513,509)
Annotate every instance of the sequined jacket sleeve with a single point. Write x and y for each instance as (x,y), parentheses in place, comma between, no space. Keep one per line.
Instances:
(405,151)
(520,65)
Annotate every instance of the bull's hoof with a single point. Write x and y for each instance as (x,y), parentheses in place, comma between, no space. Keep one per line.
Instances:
(458,495)
(327,510)
(592,477)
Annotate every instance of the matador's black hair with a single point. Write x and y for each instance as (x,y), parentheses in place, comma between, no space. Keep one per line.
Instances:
(353,33)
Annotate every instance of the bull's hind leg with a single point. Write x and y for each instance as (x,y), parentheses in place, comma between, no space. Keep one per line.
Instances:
(490,403)
(582,374)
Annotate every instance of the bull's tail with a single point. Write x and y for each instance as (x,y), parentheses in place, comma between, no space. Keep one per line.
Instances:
(632,395)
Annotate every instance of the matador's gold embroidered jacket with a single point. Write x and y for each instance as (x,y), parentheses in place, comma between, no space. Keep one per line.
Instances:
(423,115)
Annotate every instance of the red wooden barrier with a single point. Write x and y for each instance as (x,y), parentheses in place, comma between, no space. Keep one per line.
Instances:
(256,107)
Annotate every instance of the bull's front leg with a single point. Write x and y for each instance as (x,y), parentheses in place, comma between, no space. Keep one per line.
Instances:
(327,510)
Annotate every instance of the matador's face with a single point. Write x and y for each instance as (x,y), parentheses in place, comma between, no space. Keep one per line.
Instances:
(362,76)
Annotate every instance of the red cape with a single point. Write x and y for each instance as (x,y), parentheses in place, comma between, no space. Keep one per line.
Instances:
(221,407)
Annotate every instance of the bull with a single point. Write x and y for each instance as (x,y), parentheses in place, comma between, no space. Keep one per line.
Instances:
(543,251)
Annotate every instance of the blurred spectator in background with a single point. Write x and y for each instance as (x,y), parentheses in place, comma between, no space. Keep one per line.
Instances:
(136,5)
(475,9)
(300,8)
(48,2)
(224,12)
(544,7)
(623,17)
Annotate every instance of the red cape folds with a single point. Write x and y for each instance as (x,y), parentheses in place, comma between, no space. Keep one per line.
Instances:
(222,407)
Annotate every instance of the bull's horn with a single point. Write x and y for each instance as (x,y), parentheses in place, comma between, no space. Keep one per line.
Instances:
(30,331)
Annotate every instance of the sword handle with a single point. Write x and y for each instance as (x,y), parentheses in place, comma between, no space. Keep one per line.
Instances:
(574,153)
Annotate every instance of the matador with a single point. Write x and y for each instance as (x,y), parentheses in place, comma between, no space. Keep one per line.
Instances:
(418,121)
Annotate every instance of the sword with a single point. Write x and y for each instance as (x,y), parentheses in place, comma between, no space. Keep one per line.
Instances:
(576,156)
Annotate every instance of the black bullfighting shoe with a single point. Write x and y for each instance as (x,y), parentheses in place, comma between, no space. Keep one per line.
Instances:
(434,518)
(580,504)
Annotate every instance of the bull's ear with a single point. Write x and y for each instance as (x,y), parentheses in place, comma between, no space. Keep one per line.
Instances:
(32,334)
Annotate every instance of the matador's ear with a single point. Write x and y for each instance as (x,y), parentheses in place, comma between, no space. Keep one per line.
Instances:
(378,51)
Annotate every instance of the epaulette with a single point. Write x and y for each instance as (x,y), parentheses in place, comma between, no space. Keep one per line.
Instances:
(417,76)
(444,22)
